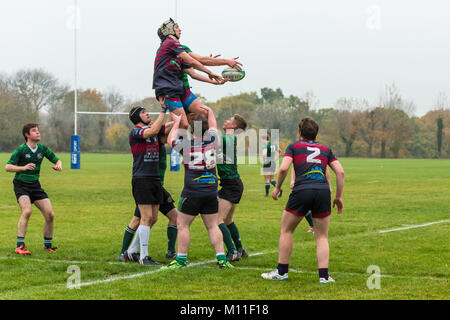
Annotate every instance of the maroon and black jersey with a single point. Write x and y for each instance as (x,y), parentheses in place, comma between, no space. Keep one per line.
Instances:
(310,163)
(145,152)
(199,159)
(168,68)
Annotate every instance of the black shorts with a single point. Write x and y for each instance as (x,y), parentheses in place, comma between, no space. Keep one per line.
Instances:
(318,201)
(269,168)
(164,207)
(202,205)
(232,190)
(33,190)
(147,190)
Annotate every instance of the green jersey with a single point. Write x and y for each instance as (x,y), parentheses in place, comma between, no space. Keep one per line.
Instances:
(162,161)
(23,155)
(184,75)
(271,151)
(228,169)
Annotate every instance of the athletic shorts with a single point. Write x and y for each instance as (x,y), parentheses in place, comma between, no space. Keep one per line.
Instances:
(164,207)
(269,168)
(201,205)
(33,190)
(174,101)
(232,190)
(147,190)
(318,201)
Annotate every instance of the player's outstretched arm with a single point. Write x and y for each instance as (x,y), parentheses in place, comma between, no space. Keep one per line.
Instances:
(340,176)
(197,65)
(215,61)
(174,131)
(212,123)
(156,126)
(282,173)
(194,75)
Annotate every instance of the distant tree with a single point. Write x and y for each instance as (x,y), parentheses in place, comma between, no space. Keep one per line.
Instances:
(269,95)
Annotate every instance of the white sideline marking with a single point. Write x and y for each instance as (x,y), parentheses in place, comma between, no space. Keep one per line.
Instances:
(414,226)
(138,275)
(374,181)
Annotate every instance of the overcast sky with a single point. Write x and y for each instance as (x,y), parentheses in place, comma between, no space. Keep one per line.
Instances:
(348,48)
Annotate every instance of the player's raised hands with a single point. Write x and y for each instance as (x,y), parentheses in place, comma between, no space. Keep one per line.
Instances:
(233,63)
(339,203)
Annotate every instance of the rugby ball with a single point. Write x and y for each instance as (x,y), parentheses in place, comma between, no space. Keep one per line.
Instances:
(233,75)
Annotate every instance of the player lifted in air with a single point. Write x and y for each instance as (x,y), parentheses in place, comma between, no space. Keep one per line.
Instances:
(311,192)
(232,188)
(26,162)
(170,63)
(199,195)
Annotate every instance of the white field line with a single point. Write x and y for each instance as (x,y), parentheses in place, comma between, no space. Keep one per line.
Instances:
(374,181)
(138,275)
(414,226)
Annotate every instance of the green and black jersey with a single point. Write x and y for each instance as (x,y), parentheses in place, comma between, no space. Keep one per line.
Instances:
(162,161)
(23,155)
(228,169)
(184,75)
(271,152)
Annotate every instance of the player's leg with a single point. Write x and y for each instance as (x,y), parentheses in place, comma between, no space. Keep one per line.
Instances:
(22,226)
(267,179)
(321,226)
(130,232)
(175,106)
(172,233)
(184,221)
(309,218)
(234,231)
(321,217)
(225,207)
(195,106)
(46,208)
(149,215)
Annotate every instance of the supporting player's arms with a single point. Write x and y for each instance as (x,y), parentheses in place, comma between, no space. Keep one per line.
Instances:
(282,173)
(174,131)
(156,126)
(340,176)
(197,65)
(212,123)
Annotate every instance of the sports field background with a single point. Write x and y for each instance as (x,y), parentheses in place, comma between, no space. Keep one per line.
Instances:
(93,206)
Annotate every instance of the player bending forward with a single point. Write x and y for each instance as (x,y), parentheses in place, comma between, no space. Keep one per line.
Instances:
(199,195)
(311,192)
(26,163)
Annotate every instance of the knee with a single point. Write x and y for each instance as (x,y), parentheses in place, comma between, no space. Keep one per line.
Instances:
(134,224)
(26,213)
(153,220)
(49,216)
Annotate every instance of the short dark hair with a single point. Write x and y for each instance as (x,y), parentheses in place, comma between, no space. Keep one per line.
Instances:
(26,129)
(240,122)
(308,128)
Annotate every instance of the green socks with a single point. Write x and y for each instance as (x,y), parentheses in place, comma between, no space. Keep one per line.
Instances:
(309,218)
(20,240)
(127,238)
(172,232)
(235,235)
(181,258)
(227,237)
(47,242)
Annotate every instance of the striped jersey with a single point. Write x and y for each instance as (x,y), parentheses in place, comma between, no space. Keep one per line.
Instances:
(199,159)
(310,163)
(145,152)
(168,68)
(23,155)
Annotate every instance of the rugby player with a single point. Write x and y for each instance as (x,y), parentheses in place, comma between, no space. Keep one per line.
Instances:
(269,163)
(232,188)
(146,182)
(170,63)
(199,195)
(26,162)
(311,192)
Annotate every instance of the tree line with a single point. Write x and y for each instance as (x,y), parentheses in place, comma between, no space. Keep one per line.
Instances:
(352,127)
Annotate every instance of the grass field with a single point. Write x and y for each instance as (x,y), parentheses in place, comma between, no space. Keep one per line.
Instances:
(93,206)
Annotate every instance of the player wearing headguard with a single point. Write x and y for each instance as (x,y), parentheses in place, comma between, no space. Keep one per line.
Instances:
(170,62)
